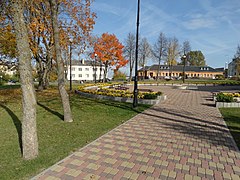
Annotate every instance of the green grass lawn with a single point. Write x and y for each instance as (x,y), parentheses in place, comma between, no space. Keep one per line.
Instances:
(57,139)
(232,118)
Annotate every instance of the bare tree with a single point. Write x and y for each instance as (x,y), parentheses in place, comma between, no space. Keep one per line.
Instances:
(61,79)
(237,54)
(129,52)
(186,48)
(160,50)
(29,128)
(144,52)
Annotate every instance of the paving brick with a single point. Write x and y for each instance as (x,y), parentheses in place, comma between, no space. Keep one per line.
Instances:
(57,168)
(127,174)
(226,176)
(52,178)
(236,169)
(73,172)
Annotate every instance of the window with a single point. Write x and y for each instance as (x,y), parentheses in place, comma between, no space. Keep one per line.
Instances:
(73,68)
(79,69)
(86,69)
(73,75)
(80,75)
(87,75)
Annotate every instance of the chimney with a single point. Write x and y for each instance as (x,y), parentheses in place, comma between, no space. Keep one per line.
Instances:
(82,61)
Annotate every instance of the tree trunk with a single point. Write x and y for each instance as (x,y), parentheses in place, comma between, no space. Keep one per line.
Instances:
(100,74)
(43,74)
(131,68)
(61,85)
(105,72)
(158,70)
(40,73)
(29,128)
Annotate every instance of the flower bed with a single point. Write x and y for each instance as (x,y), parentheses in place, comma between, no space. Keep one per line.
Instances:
(102,91)
(227,99)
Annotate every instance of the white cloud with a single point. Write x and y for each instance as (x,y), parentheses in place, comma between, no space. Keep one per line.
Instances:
(107,8)
(200,23)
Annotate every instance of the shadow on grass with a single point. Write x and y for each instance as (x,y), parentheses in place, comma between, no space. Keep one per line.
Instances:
(233,124)
(122,105)
(17,123)
(51,111)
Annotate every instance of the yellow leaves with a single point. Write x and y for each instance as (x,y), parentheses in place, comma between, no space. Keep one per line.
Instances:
(34,50)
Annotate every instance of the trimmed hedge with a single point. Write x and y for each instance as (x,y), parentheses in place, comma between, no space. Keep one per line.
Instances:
(221,97)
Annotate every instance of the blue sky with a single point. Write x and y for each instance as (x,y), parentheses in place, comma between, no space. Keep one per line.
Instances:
(212,26)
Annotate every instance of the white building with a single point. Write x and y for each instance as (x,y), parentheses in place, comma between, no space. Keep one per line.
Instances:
(84,71)
(234,68)
(8,68)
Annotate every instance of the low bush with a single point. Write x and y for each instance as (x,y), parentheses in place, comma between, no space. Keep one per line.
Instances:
(150,96)
(221,97)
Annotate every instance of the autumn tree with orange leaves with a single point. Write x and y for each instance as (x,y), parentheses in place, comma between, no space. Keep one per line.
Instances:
(76,21)
(110,52)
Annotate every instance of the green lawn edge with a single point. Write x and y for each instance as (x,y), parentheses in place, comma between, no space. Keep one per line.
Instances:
(232,119)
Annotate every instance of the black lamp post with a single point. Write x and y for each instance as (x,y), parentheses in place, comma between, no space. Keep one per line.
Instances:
(95,69)
(70,64)
(184,57)
(135,91)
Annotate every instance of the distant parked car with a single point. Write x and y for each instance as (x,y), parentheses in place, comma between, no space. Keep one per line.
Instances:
(11,82)
(168,78)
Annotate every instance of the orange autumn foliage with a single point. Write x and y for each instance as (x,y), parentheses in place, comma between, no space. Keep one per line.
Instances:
(110,51)
(76,21)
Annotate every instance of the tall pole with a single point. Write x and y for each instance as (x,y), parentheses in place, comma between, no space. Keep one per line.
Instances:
(95,69)
(70,63)
(135,91)
(184,65)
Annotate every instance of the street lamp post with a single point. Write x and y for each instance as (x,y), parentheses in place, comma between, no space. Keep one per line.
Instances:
(95,69)
(0,80)
(70,63)
(184,57)
(135,91)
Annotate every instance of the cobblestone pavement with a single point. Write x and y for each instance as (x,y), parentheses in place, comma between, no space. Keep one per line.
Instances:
(183,138)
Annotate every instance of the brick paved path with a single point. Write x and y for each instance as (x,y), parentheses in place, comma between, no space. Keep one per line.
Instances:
(182,138)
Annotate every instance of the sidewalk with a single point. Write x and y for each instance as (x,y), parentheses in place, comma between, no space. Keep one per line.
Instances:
(183,138)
